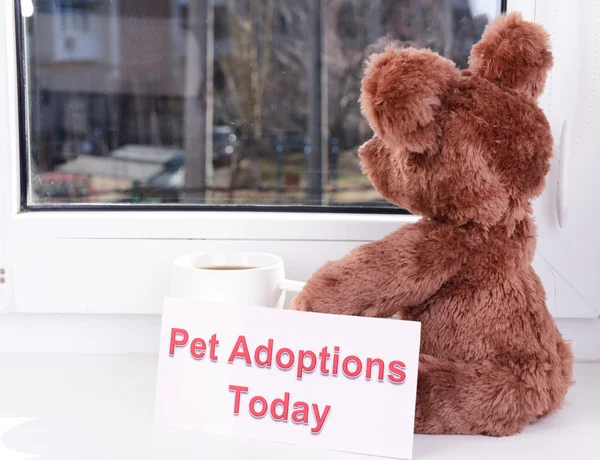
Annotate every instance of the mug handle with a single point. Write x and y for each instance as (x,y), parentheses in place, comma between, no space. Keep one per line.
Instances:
(292,286)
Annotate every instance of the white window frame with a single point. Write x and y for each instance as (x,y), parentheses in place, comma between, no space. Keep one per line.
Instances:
(42,251)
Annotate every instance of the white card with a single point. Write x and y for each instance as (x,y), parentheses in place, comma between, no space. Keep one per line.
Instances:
(351,386)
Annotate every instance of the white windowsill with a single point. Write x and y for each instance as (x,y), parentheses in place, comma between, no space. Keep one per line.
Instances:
(70,407)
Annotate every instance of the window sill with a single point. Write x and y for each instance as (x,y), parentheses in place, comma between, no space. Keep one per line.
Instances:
(215,225)
(100,406)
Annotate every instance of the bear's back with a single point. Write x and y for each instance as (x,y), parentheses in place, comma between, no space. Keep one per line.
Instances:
(494,307)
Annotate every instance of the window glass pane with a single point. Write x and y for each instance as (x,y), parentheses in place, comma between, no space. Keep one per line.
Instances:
(214,101)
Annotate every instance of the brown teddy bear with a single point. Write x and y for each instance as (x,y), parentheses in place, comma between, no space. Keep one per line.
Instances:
(468,150)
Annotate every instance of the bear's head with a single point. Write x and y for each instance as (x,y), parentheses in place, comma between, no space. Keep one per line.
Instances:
(467,146)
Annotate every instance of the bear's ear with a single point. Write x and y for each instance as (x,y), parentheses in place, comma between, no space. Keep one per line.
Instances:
(401,93)
(513,53)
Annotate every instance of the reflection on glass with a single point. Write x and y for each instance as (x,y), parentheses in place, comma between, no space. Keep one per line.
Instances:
(215,101)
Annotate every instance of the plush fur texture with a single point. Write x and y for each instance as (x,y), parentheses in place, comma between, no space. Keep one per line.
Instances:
(467,151)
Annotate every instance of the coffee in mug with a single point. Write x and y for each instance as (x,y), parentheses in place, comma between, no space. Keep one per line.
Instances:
(228,267)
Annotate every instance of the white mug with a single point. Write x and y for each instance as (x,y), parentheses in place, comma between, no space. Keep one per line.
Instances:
(262,284)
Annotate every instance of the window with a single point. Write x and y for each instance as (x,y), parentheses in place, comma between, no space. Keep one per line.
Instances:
(66,248)
(219,102)
(112,164)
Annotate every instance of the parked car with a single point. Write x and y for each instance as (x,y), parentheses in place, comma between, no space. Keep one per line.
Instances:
(59,187)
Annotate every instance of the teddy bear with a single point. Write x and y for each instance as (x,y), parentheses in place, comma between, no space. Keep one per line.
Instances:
(468,151)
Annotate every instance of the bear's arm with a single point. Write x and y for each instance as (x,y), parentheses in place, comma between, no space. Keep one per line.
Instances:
(381,278)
